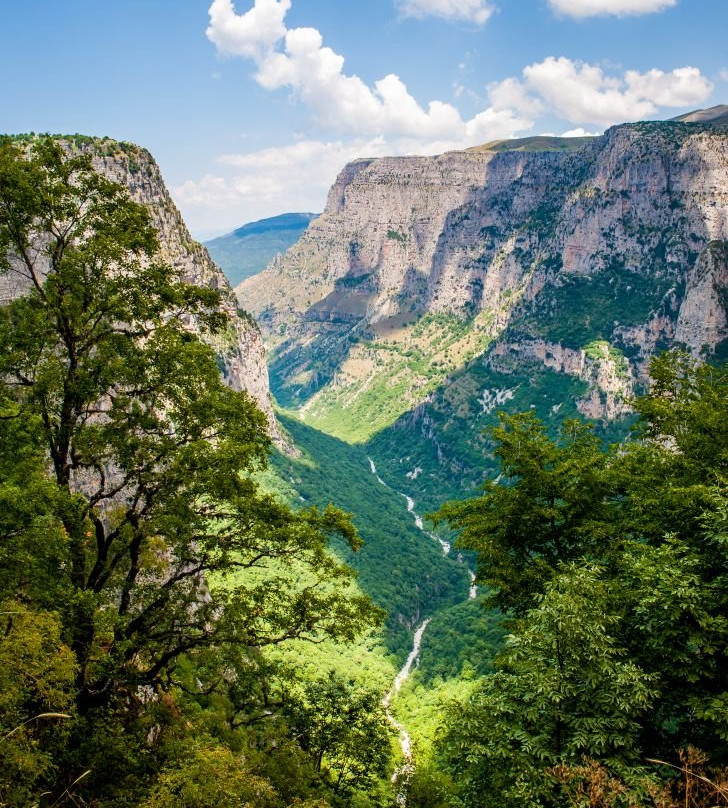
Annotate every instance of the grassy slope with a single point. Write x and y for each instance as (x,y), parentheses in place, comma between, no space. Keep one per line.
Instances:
(537,143)
(388,375)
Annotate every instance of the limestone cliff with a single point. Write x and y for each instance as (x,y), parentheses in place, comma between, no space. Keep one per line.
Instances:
(527,254)
(240,348)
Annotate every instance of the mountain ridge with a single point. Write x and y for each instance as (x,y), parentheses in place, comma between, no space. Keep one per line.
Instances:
(248,249)
(430,289)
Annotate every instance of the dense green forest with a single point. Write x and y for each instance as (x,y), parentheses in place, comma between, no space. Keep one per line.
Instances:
(420,579)
(180,619)
(143,573)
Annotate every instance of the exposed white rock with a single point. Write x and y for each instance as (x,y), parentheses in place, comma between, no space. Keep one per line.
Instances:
(240,348)
(490,399)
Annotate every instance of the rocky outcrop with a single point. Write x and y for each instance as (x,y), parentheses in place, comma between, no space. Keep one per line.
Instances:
(702,319)
(240,347)
(619,238)
(609,377)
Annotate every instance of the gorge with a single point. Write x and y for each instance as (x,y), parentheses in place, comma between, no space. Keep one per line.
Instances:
(433,294)
(535,274)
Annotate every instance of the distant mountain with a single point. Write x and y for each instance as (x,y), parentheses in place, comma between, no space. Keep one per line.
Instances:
(714,115)
(249,249)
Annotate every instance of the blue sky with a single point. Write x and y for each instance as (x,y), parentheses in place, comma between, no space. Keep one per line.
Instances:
(251,107)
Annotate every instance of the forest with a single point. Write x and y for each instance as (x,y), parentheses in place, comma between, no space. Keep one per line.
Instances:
(158,601)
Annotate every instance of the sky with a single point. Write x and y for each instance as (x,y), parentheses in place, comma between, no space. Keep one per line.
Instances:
(252,107)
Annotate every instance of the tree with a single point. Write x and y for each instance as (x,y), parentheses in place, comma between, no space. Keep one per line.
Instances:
(208,775)
(565,692)
(36,688)
(345,729)
(162,543)
(550,505)
(622,556)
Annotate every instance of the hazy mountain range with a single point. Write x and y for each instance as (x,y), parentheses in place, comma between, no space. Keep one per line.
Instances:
(250,248)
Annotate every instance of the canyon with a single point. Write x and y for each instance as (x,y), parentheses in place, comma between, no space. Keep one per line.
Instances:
(545,272)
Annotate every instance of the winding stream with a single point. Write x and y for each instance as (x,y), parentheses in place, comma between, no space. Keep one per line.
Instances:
(403,774)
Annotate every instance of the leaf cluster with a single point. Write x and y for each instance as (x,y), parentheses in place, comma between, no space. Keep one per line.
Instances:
(612,563)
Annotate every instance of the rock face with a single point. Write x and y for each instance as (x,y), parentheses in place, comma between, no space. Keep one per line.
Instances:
(620,239)
(240,349)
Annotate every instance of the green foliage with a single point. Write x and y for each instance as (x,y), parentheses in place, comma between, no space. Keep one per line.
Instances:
(564,692)
(429,788)
(577,309)
(419,578)
(461,640)
(552,509)
(209,776)
(407,370)
(126,469)
(615,563)
(344,729)
(36,691)
(452,447)
(422,708)
(601,350)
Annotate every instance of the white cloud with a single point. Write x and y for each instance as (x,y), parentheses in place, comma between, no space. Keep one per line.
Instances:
(298,60)
(582,93)
(620,8)
(723,75)
(268,181)
(250,35)
(580,132)
(680,88)
(477,11)
(512,94)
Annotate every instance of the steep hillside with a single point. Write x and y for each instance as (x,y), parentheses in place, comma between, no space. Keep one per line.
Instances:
(249,249)
(434,291)
(714,115)
(401,567)
(240,348)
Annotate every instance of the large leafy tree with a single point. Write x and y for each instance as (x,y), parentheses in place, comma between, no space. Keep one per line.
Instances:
(565,691)
(630,613)
(344,728)
(126,462)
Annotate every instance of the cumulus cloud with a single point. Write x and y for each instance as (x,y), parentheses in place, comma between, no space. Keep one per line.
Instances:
(297,59)
(265,182)
(477,11)
(620,8)
(679,88)
(583,93)
(580,132)
(513,94)
(251,35)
